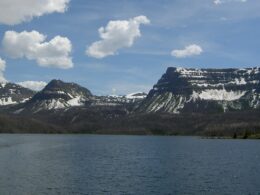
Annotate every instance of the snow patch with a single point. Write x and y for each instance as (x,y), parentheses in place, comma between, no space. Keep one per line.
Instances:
(12,91)
(55,104)
(70,95)
(25,100)
(207,85)
(18,111)
(194,73)
(240,81)
(218,95)
(7,101)
(3,85)
(254,82)
(77,101)
(137,95)
(61,92)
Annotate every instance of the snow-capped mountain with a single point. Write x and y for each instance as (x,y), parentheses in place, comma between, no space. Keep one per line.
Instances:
(180,90)
(11,93)
(58,95)
(204,90)
(114,100)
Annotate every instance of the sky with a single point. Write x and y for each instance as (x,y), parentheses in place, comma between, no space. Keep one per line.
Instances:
(123,46)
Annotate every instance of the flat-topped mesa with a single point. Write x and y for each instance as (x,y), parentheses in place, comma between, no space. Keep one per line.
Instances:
(204,90)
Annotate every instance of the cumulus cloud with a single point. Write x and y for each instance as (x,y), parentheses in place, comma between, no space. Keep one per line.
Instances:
(188,51)
(33,46)
(2,69)
(16,11)
(116,35)
(33,85)
(218,2)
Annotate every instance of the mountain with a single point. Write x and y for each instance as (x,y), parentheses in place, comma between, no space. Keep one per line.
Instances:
(11,93)
(115,100)
(58,95)
(211,102)
(185,90)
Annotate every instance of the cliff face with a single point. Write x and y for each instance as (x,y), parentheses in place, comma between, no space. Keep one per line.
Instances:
(204,90)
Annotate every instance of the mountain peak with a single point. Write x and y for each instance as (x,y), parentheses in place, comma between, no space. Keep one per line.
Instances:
(56,82)
(59,85)
(59,94)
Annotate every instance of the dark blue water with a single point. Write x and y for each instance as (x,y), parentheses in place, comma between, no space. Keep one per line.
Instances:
(85,164)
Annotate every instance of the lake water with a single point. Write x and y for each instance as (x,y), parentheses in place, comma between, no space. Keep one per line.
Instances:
(92,164)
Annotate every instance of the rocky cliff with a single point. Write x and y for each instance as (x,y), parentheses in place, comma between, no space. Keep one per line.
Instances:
(204,90)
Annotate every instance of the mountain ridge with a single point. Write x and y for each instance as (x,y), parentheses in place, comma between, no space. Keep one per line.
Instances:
(58,94)
(217,102)
(178,90)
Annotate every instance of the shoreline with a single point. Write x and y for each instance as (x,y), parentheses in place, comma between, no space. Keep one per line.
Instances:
(250,137)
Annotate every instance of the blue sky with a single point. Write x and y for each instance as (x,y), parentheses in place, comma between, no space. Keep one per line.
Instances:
(226,31)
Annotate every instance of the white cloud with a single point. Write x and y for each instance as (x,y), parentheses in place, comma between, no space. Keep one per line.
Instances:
(116,35)
(218,2)
(17,11)
(188,51)
(55,53)
(2,69)
(33,85)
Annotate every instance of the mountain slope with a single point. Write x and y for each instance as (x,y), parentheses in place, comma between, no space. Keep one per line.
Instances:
(204,90)
(11,93)
(58,95)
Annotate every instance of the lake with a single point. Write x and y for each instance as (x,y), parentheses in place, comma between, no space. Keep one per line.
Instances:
(104,164)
